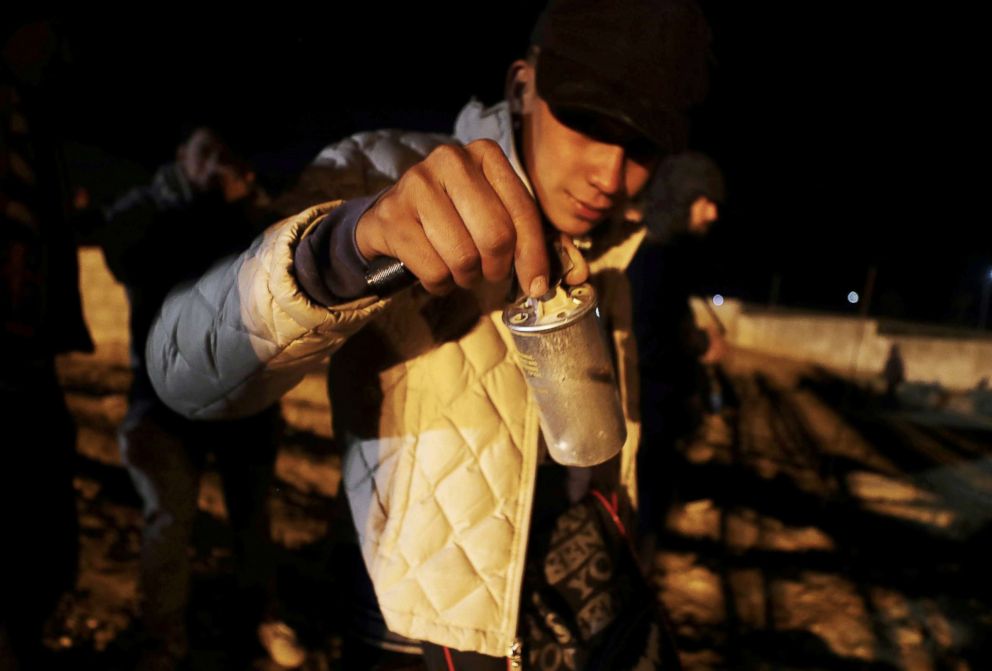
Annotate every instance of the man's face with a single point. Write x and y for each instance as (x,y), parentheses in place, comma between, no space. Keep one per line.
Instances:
(201,157)
(702,215)
(581,176)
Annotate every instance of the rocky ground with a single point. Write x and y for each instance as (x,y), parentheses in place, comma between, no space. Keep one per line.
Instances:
(818,527)
(813,528)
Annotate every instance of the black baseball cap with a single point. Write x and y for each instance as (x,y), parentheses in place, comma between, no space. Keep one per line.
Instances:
(642,63)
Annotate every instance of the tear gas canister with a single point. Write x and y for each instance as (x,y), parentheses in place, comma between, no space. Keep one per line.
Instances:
(561,346)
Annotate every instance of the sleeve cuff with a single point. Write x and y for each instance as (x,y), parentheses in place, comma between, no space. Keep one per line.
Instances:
(328,265)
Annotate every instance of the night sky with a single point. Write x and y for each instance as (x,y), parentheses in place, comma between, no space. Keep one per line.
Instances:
(849,137)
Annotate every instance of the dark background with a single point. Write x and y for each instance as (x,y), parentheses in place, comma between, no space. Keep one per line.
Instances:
(850,137)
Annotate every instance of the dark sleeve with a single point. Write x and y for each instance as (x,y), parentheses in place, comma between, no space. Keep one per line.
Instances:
(126,236)
(661,313)
(328,265)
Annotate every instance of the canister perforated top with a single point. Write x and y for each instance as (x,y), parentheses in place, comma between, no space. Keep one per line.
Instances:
(565,306)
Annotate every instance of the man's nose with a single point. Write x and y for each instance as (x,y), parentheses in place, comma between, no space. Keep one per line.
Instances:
(606,173)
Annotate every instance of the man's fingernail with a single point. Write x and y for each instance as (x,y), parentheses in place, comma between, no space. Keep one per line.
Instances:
(538,286)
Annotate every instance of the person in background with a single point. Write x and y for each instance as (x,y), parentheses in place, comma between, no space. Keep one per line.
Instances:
(40,317)
(894,374)
(207,194)
(683,204)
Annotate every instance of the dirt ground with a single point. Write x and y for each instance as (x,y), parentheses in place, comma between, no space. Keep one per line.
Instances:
(817,526)
(813,527)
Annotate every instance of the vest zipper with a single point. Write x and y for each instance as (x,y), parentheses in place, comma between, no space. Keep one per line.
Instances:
(514,657)
(529,466)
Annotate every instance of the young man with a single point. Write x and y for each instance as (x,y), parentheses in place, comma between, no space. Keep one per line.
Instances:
(209,194)
(442,437)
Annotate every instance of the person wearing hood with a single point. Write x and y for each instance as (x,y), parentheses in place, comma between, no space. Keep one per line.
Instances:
(683,202)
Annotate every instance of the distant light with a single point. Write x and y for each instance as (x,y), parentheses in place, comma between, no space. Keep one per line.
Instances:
(852,297)
(990,273)
(717,300)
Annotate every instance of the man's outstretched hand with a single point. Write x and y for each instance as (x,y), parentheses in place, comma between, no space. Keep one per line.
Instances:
(459,217)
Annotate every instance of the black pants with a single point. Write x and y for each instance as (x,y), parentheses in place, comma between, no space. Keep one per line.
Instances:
(165,461)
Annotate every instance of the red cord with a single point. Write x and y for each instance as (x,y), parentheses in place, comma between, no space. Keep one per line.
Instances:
(447,658)
(611,510)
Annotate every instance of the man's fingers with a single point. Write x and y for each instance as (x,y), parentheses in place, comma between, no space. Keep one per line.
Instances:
(445,228)
(421,259)
(459,215)
(579,268)
(482,214)
(530,253)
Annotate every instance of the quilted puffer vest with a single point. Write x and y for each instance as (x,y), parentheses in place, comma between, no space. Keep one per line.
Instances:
(442,445)
(440,431)
(442,450)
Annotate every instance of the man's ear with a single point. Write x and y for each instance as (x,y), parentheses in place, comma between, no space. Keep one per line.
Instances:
(519,85)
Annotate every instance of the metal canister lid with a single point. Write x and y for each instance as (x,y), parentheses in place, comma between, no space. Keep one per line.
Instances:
(565,306)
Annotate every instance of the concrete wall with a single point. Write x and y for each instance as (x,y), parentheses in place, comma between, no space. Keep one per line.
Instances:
(856,346)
